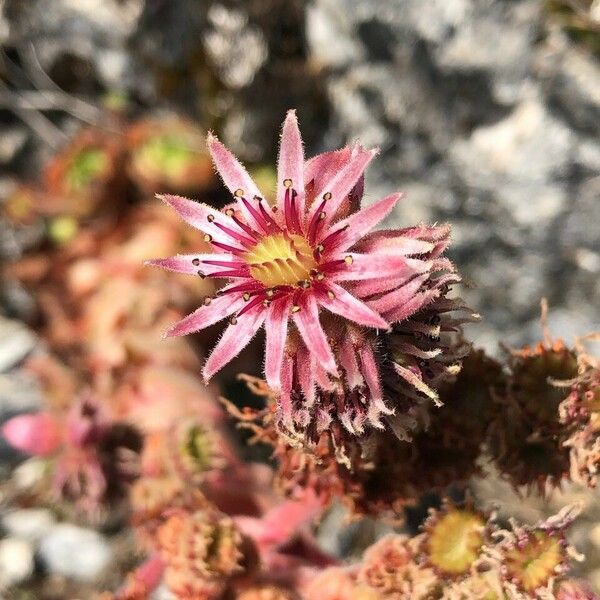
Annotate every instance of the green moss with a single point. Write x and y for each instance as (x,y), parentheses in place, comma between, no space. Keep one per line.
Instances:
(85,167)
(167,153)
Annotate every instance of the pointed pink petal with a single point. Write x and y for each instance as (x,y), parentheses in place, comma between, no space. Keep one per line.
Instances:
(284,400)
(371,266)
(291,163)
(233,341)
(391,241)
(307,322)
(38,435)
(235,176)
(362,222)
(305,365)
(184,263)
(346,305)
(201,216)
(410,307)
(371,373)
(347,358)
(370,287)
(218,309)
(398,297)
(341,185)
(276,330)
(323,167)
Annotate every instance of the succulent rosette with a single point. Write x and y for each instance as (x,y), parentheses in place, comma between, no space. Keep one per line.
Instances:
(355,322)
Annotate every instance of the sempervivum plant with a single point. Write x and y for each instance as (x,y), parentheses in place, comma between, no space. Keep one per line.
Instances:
(356,323)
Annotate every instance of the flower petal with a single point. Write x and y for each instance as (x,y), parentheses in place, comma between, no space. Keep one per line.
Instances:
(370,287)
(233,341)
(276,329)
(307,322)
(218,309)
(347,358)
(358,224)
(305,364)
(323,167)
(409,308)
(205,218)
(340,302)
(371,266)
(291,163)
(236,178)
(341,185)
(398,297)
(38,435)
(189,265)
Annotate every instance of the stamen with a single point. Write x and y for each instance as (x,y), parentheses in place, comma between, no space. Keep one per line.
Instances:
(295,308)
(230,212)
(327,196)
(258,217)
(332,236)
(287,183)
(238,193)
(207,300)
(236,236)
(201,275)
(315,222)
(251,232)
(228,248)
(232,320)
(331,295)
(250,305)
(303,283)
(210,218)
(196,262)
(246,297)
(348,259)
(332,265)
(242,287)
(207,237)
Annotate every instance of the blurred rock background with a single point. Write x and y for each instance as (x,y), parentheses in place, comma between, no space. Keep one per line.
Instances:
(487,113)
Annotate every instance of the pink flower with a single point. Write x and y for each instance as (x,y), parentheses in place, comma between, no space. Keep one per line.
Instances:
(38,435)
(306,269)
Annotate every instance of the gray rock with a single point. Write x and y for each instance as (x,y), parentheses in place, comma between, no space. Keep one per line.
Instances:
(30,524)
(16,561)
(16,342)
(75,552)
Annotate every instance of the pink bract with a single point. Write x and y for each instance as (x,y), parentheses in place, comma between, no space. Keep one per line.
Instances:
(37,435)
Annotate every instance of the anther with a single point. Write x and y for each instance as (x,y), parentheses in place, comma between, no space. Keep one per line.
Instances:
(304,284)
(348,260)
(207,237)
(295,308)
(201,274)
(269,293)
(238,193)
(320,248)
(196,262)
(274,208)
(287,183)
(232,320)
(207,300)
(266,303)
(246,297)
(331,295)
(210,218)
(322,215)
(230,212)
(327,196)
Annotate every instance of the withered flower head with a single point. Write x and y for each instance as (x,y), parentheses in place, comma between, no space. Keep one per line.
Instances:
(389,567)
(531,558)
(201,551)
(324,289)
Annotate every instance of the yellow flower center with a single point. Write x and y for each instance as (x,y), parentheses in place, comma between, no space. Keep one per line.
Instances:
(281,259)
(455,541)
